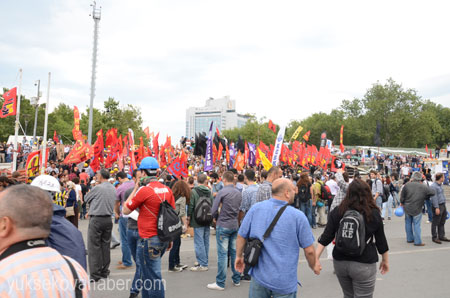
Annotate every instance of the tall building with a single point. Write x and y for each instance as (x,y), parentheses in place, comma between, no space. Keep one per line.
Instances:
(222,111)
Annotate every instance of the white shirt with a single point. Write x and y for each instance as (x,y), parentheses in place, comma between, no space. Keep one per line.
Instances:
(334,187)
(78,191)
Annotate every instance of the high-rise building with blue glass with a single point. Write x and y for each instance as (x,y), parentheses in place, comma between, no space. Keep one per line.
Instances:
(222,111)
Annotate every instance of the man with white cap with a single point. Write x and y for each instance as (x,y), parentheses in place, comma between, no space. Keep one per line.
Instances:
(64,236)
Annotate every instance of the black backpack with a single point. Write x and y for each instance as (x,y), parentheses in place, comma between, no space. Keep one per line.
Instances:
(169,225)
(304,195)
(351,235)
(203,210)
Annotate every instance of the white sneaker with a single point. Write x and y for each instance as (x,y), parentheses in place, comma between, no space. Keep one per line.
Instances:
(428,221)
(214,286)
(236,284)
(198,269)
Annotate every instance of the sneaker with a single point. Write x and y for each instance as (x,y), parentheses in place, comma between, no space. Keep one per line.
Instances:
(123,267)
(181,266)
(236,284)
(198,268)
(134,295)
(214,286)
(246,278)
(175,269)
(428,222)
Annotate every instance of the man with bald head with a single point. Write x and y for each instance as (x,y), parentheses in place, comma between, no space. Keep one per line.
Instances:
(276,272)
(27,266)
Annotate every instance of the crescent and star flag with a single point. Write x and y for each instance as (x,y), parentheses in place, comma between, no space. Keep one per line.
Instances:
(306,136)
(297,132)
(278,146)
(342,139)
(209,150)
(272,126)
(9,107)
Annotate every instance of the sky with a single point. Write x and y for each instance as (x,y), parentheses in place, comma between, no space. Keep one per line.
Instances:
(283,60)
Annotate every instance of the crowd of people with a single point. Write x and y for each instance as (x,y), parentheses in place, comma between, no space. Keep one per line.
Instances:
(236,206)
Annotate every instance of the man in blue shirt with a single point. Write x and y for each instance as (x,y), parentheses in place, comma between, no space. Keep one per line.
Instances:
(440,211)
(275,275)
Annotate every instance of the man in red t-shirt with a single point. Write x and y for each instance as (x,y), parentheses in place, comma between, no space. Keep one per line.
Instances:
(147,196)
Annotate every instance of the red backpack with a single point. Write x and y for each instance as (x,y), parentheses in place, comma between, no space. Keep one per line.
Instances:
(325,192)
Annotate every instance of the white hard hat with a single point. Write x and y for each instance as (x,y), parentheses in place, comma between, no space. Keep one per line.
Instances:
(47,182)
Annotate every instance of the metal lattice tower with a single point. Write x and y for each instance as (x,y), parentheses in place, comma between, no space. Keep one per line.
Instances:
(96,15)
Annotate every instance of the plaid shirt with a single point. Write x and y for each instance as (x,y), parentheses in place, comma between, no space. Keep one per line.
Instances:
(341,193)
(264,192)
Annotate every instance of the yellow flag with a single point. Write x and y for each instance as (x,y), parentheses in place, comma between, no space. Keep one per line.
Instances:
(266,163)
(297,132)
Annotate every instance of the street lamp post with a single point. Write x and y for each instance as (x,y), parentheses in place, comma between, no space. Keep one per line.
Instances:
(36,106)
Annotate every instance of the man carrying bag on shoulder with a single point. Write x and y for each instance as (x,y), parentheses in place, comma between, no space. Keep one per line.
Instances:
(275,273)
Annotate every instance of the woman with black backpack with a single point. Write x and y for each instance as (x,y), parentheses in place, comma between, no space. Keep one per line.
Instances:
(303,197)
(356,223)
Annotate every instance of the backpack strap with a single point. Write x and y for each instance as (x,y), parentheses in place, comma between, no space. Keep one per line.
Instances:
(78,284)
(274,222)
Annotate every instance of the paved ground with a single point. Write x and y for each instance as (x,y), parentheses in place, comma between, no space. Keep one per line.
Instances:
(415,271)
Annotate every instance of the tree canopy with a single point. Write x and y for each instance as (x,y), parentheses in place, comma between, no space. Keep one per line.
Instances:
(61,120)
(403,119)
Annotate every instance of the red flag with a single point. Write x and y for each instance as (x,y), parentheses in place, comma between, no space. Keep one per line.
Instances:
(426,148)
(272,126)
(156,145)
(246,153)
(77,135)
(214,153)
(55,137)
(141,151)
(342,139)
(79,153)
(219,152)
(227,154)
(98,151)
(147,132)
(217,131)
(263,147)
(9,107)
(179,166)
(306,136)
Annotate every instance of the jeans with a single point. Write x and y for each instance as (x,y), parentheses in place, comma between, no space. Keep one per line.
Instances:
(258,291)
(438,224)
(313,216)
(379,202)
(226,243)
(429,210)
(356,279)
(133,242)
(395,201)
(306,208)
(201,245)
(174,255)
(126,254)
(387,205)
(149,254)
(412,226)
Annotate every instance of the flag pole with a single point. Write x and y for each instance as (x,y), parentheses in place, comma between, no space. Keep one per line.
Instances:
(44,138)
(16,130)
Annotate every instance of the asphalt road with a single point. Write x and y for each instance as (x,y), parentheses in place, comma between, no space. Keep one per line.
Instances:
(414,271)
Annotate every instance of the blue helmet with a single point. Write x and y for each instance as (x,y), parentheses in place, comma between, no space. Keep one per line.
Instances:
(149,163)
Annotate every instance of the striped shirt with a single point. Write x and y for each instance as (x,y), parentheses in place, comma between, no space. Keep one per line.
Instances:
(39,272)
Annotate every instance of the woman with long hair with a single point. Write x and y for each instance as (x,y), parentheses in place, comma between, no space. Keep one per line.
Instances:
(304,196)
(357,274)
(181,192)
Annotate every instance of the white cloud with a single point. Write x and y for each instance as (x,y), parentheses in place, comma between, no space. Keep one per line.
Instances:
(283,60)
